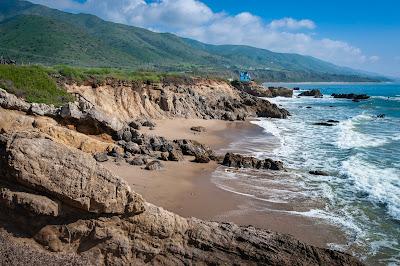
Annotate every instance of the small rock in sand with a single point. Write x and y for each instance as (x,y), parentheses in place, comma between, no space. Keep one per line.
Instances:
(154,165)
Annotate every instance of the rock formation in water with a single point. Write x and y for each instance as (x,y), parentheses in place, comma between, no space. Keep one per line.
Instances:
(314,93)
(350,96)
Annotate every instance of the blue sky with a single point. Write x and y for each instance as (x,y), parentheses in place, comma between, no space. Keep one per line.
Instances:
(360,34)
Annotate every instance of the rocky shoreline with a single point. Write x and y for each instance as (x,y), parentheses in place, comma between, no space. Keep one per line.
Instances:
(53,192)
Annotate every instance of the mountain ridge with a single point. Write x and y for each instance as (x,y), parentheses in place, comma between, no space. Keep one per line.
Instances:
(87,40)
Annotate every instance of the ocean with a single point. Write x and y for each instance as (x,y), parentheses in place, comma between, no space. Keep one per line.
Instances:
(361,154)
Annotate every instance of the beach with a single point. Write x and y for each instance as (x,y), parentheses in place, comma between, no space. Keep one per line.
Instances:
(186,188)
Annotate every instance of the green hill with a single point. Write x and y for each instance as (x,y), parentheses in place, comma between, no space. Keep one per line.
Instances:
(33,33)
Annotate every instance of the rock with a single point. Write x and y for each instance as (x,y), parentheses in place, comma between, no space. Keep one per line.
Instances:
(308,107)
(323,124)
(101,157)
(135,125)
(240,161)
(12,102)
(138,161)
(43,110)
(350,96)
(333,121)
(164,156)
(90,119)
(296,88)
(193,148)
(381,116)
(34,161)
(127,135)
(198,129)
(175,155)
(315,93)
(154,165)
(202,158)
(148,123)
(252,88)
(34,205)
(318,172)
(281,92)
(132,147)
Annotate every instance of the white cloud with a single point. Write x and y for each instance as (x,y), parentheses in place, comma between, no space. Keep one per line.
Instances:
(194,19)
(292,24)
(374,58)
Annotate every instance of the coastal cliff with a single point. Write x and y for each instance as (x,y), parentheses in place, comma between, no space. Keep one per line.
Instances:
(59,205)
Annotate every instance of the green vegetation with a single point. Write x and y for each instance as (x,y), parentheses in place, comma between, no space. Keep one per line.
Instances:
(32,83)
(38,83)
(81,74)
(36,34)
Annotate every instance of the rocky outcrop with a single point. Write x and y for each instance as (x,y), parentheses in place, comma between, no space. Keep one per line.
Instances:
(314,93)
(281,92)
(192,98)
(254,89)
(350,96)
(240,161)
(35,162)
(83,213)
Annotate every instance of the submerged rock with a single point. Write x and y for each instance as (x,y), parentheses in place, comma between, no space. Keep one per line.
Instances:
(323,124)
(318,172)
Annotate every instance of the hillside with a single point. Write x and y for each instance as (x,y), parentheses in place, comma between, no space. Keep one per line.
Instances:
(36,34)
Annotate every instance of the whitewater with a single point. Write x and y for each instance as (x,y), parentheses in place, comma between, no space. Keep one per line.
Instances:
(360,153)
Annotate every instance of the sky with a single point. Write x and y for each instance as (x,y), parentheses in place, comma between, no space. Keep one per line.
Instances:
(363,35)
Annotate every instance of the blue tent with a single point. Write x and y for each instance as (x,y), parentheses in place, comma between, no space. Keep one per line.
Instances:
(245,77)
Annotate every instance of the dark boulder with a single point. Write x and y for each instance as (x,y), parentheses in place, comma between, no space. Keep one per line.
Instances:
(318,172)
(101,157)
(202,158)
(323,124)
(132,147)
(314,93)
(240,161)
(175,155)
(350,96)
(198,129)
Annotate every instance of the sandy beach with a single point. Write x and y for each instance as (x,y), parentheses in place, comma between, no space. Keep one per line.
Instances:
(186,188)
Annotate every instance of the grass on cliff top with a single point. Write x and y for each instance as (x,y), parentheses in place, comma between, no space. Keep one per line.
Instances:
(32,83)
(79,74)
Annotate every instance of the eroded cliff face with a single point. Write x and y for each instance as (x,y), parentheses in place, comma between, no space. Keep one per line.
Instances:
(194,98)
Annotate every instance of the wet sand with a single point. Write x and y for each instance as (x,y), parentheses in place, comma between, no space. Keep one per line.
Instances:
(186,188)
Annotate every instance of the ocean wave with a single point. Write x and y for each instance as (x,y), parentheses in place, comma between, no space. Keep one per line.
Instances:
(381,184)
(350,138)
(269,127)
(390,98)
